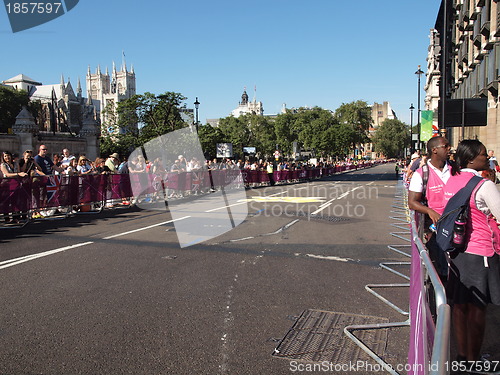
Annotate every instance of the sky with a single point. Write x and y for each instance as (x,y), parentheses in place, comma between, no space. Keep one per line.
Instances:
(315,53)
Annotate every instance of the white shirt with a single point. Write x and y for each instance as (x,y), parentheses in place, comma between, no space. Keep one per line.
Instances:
(417,184)
(67,160)
(493,160)
(487,196)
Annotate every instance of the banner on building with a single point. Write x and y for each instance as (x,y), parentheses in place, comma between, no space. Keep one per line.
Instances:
(426,132)
(224,150)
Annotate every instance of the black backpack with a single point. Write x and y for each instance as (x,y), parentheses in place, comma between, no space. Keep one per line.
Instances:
(458,205)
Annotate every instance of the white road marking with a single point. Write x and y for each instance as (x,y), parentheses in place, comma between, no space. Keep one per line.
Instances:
(283,192)
(144,228)
(339,259)
(326,204)
(27,258)
(221,208)
(14,262)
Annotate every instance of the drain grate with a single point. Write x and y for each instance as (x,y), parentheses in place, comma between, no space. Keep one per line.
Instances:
(318,336)
(333,219)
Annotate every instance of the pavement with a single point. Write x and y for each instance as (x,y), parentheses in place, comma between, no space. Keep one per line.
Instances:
(114,293)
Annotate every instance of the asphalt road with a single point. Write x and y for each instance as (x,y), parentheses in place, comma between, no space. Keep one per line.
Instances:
(114,293)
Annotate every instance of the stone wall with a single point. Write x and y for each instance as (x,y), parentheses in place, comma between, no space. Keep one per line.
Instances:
(55,144)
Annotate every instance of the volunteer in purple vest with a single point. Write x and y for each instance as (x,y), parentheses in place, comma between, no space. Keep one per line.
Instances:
(438,150)
(474,279)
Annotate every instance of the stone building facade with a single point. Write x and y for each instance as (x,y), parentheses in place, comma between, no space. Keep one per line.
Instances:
(67,118)
(106,90)
(464,62)
(246,106)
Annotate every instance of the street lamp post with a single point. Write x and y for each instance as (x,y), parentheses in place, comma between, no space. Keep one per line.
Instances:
(419,73)
(196,106)
(411,125)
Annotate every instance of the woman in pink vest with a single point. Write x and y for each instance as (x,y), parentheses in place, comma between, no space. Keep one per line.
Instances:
(474,279)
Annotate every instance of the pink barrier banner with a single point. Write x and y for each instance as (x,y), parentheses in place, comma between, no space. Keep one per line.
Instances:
(23,194)
(421,324)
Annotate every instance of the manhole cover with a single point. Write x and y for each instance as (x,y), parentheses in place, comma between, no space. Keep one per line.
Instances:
(318,336)
(308,216)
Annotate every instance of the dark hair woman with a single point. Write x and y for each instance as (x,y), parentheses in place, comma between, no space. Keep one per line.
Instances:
(474,277)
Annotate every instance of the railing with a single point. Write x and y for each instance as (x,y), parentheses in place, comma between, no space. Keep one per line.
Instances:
(433,340)
(27,194)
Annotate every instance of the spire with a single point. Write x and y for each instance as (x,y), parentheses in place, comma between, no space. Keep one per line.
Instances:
(88,71)
(114,69)
(99,69)
(79,88)
(62,79)
(124,63)
(132,68)
(107,72)
(244,97)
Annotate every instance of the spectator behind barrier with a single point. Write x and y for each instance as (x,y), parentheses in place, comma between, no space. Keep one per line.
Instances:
(66,158)
(113,162)
(28,165)
(429,202)
(474,279)
(45,162)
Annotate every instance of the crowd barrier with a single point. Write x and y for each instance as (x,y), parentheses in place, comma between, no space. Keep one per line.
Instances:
(429,351)
(24,194)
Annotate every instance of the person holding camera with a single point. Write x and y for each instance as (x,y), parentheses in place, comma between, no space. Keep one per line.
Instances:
(29,166)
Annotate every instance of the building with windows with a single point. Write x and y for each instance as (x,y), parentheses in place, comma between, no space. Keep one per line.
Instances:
(464,62)
(67,117)
(62,109)
(106,90)
(380,113)
(248,107)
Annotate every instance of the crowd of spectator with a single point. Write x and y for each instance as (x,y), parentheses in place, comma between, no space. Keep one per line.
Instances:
(65,163)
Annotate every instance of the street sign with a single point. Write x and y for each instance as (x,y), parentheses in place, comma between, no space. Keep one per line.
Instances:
(464,112)
(224,150)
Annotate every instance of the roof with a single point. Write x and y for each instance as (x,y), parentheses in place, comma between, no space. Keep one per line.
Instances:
(22,78)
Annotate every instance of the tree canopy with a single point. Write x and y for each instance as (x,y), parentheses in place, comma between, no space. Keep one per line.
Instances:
(11,103)
(391,138)
(141,118)
(321,131)
(358,115)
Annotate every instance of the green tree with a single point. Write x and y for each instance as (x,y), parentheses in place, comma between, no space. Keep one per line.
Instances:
(338,138)
(236,131)
(159,114)
(262,135)
(285,131)
(391,138)
(119,132)
(139,119)
(358,115)
(11,103)
(209,137)
(316,129)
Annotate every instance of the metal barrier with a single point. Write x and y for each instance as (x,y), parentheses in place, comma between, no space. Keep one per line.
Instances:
(402,210)
(439,363)
(428,337)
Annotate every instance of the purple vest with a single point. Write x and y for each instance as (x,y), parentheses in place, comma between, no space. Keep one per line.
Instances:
(482,231)
(434,191)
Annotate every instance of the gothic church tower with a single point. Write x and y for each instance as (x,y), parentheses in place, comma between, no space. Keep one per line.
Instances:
(107,90)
